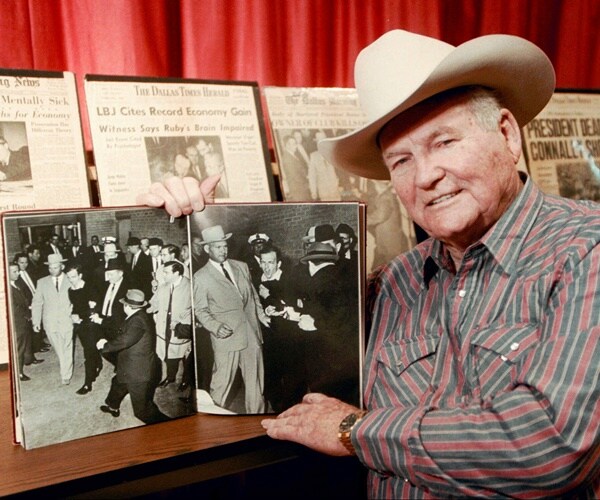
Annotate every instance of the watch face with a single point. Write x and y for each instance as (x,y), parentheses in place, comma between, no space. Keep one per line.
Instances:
(348,422)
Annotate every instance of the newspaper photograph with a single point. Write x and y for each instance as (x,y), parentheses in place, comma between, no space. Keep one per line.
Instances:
(301,117)
(42,159)
(145,130)
(562,145)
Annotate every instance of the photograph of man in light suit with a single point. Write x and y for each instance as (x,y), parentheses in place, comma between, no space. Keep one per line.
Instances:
(51,309)
(228,307)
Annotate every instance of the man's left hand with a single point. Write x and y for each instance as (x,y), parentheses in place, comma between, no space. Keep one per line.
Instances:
(313,423)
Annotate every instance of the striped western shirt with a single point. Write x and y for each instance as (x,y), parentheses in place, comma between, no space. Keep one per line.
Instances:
(485,381)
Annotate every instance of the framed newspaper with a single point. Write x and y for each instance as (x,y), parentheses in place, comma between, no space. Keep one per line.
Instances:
(145,129)
(42,158)
(299,118)
(562,145)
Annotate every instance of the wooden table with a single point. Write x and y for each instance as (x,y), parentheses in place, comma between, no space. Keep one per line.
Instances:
(136,461)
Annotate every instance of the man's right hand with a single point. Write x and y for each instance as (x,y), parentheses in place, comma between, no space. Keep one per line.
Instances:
(223,332)
(180,196)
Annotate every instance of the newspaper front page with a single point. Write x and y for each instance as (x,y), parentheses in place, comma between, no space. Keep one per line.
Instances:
(299,118)
(145,130)
(563,146)
(42,160)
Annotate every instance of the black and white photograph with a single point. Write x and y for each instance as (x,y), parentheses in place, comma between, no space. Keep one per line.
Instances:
(197,156)
(100,321)
(276,292)
(306,175)
(15,164)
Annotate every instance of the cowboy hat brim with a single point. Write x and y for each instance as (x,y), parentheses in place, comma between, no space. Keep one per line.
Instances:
(517,69)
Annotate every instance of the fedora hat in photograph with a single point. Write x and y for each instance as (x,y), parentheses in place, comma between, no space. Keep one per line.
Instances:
(114,265)
(214,234)
(320,251)
(134,298)
(401,69)
(55,258)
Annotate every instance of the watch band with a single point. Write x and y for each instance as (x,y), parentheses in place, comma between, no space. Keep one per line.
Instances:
(345,429)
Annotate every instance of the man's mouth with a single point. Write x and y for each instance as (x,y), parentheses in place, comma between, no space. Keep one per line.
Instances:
(443,198)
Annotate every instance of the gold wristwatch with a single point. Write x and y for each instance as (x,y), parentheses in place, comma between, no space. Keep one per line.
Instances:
(345,429)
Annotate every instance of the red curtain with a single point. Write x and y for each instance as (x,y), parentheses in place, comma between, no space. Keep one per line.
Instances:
(277,42)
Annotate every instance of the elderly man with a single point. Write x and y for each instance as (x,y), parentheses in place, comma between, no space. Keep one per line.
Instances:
(51,309)
(482,365)
(228,307)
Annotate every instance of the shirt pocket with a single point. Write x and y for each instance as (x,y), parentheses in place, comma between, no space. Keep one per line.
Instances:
(407,367)
(498,352)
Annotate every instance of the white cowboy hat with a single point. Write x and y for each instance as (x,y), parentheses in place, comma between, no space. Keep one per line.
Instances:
(401,69)
(55,258)
(214,234)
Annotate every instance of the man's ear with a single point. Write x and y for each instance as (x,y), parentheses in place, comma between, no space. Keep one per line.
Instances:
(512,133)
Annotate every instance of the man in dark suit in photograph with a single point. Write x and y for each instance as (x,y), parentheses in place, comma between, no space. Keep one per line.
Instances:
(228,307)
(14,164)
(21,319)
(139,274)
(109,310)
(137,364)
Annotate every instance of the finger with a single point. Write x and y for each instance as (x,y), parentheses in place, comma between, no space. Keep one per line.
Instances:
(178,195)
(161,196)
(150,200)
(208,187)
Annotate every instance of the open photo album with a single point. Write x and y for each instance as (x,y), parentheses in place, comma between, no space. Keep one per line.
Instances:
(126,318)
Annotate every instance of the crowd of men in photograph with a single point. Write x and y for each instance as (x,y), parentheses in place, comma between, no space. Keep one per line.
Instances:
(288,327)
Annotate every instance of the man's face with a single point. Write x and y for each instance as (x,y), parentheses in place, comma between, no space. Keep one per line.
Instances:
(345,240)
(202,148)
(154,250)
(114,275)
(144,244)
(55,240)
(35,255)
(133,249)
(197,246)
(13,272)
(55,268)
(454,178)
(170,276)
(185,253)
(193,155)
(74,277)
(257,246)
(22,262)
(165,255)
(217,251)
(95,241)
(269,264)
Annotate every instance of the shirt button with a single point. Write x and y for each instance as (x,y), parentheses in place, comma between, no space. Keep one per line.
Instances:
(462,293)
(514,346)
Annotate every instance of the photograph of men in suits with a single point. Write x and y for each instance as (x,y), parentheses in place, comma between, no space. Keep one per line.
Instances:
(109,313)
(172,304)
(137,364)
(228,307)
(14,164)
(21,318)
(51,309)
(140,267)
